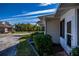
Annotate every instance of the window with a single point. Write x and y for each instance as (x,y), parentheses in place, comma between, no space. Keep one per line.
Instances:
(62,28)
(69,27)
(69,33)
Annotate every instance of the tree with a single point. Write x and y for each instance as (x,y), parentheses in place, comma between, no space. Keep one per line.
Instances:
(27,27)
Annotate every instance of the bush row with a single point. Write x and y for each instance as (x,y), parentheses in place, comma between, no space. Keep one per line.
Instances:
(75,51)
(43,43)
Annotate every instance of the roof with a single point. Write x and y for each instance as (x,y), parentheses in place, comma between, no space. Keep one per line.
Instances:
(40,23)
(63,7)
(5,24)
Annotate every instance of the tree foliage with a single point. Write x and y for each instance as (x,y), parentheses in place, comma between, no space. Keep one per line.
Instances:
(27,27)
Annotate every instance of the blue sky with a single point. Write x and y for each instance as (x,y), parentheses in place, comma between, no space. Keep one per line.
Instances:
(25,12)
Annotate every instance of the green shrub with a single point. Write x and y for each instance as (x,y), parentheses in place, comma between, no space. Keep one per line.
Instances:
(25,37)
(36,33)
(75,51)
(43,43)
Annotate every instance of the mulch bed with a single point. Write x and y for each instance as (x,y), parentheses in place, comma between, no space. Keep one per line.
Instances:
(58,50)
(57,47)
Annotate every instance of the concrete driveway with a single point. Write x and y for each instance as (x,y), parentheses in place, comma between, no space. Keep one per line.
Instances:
(8,45)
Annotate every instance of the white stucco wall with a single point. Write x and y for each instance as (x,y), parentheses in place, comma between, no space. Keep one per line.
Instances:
(44,24)
(69,15)
(6,29)
(53,29)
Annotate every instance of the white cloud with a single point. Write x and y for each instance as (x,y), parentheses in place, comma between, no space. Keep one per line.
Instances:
(38,12)
(30,17)
(20,20)
(46,4)
(16,18)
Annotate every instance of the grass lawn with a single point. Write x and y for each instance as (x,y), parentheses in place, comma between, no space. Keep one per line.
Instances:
(21,33)
(24,49)
(25,32)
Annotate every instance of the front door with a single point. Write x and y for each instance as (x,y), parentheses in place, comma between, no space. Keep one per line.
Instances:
(69,33)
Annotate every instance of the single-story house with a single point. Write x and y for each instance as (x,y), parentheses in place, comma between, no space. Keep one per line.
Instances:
(63,26)
(5,27)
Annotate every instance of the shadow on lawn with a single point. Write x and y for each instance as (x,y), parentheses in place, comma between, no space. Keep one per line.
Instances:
(21,49)
(24,49)
(11,51)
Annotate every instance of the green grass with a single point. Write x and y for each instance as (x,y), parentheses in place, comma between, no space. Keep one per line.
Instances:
(24,49)
(22,32)
(25,32)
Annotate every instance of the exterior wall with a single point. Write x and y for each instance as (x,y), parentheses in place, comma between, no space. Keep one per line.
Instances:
(53,29)
(44,24)
(6,30)
(69,15)
(2,30)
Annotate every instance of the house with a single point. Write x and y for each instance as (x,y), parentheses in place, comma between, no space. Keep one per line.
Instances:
(63,26)
(5,27)
(41,25)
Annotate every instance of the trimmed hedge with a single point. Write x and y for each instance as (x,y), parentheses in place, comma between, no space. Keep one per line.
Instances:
(43,43)
(75,51)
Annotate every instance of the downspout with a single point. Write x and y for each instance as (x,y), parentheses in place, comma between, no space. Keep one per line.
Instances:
(76,22)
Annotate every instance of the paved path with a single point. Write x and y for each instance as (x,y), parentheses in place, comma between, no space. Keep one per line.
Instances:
(8,45)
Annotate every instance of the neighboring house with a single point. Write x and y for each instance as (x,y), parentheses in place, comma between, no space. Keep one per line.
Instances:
(63,26)
(41,25)
(5,27)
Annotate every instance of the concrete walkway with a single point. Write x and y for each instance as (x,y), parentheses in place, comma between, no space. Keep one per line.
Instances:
(11,51)
(8,45)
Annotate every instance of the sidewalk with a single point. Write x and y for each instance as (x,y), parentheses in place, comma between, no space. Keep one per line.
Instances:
(8,45)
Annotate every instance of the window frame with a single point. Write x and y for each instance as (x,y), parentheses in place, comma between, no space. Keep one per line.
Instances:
(69,33)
